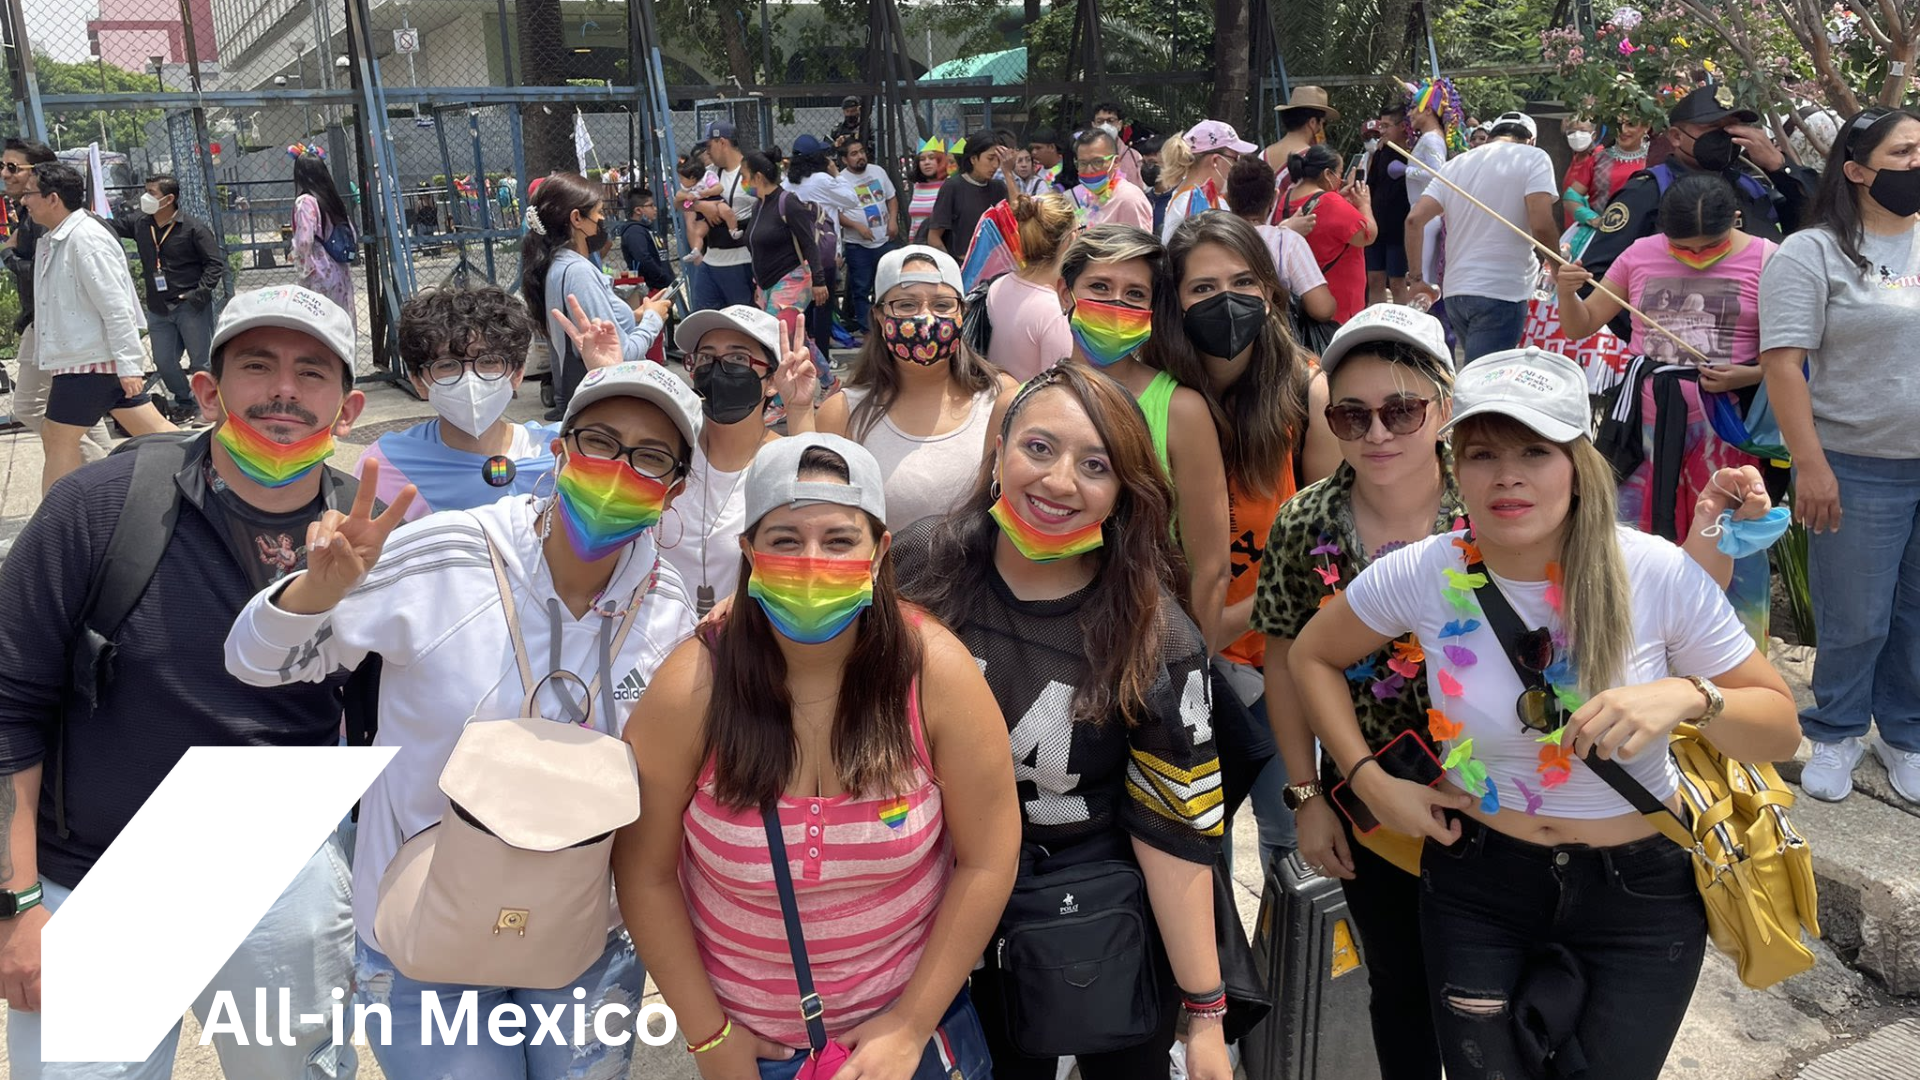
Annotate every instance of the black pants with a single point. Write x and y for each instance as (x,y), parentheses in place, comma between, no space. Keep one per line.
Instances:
(1147,1061)
(820,316)
(1629,915)
(1385,903)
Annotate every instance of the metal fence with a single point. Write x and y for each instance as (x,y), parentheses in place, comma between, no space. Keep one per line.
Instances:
(433,114)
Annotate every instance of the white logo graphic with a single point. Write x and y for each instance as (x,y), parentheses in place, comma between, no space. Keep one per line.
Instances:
(1067,906)
(186,881)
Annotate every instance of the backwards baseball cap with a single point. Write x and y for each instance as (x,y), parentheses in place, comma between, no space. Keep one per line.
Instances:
(1389,322)
(1525,121)
(719,129)
(763,328)
(773,480)
(1541,389)
(891,270)
(647,381)
(1210,135)
(289,307)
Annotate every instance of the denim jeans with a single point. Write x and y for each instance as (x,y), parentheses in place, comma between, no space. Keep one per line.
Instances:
(1865,581)
(720,286)
(187,328)
(1630,916)
(1384,901)
(615,978)
(957,1051)
(1278,835)
(1484,325)
(861,263)
(303,942)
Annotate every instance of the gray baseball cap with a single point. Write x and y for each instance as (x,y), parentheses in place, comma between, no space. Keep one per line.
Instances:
(773,480)
(1388,322)
(647,381)
(751,321)
(289,307)
(1541,389)
(891,270)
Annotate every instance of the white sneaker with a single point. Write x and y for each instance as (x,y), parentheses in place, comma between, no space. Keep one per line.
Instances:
(1829,776)
(1903,768)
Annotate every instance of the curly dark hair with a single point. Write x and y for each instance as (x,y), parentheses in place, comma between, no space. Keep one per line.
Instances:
(463,322)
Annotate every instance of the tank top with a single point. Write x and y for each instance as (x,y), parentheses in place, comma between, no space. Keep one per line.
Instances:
(868,876)
(920,208)
(928,475)
(1157,402)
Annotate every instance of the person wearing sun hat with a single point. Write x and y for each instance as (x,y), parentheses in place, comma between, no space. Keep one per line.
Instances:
(899,878)
(1304,117)
(578,573)
(1529,834)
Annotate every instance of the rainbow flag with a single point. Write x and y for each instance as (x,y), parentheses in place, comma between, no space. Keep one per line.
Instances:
(995,249)
(894,814)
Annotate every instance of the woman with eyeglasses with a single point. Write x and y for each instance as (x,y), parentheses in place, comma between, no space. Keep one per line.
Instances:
(1059,576)
(589,596)
(1839,311)
(1116,287)
(1536,870)
(918,399)
(566,224)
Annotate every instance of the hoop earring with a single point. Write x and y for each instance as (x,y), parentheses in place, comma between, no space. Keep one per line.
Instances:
(662,544)
(993,490)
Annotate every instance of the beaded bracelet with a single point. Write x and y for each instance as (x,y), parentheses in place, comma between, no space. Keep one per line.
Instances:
(719,1037)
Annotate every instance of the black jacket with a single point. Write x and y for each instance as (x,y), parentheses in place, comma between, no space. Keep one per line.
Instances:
(642,251)
(188,252)
(19,260)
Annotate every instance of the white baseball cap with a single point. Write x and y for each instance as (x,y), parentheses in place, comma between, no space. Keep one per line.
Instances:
(289,307)
(647,381)
(751,321)
(1525,121)
(1388,322)
(891,270)
(1215,135)
(773,480)
(1541,389)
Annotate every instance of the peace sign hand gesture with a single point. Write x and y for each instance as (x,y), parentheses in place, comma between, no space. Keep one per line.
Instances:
(596,340)
(341,548)
(796,380)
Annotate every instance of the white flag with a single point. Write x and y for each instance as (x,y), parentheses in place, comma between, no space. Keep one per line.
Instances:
(582,141)
(100,204)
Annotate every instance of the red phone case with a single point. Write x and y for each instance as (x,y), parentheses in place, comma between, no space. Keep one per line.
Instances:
(1382,756)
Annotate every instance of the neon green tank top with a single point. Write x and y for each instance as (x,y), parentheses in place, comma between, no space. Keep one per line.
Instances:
(1156,401)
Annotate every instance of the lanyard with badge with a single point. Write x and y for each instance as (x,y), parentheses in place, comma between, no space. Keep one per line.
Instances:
(159,261)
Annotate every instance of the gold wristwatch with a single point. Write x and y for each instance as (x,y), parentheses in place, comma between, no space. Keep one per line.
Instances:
(1716,702)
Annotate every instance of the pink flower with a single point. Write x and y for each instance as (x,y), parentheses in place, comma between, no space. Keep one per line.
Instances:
(1627,47)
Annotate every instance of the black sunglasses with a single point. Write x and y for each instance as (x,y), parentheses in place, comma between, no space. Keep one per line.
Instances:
(1539,708)
(1350,422)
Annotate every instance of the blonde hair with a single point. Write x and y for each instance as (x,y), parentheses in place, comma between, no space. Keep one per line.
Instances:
(1176,160)
(1045,223)
(1597,609)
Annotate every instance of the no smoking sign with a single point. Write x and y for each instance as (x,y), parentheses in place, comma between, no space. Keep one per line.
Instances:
(406,42)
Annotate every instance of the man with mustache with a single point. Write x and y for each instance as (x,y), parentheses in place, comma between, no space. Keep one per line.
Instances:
(78,758)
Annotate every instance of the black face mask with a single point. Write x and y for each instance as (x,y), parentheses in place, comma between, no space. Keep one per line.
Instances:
(1898,190)
(727,394)
(1225,324)
(597,242)
(1715,151)
(1149,175)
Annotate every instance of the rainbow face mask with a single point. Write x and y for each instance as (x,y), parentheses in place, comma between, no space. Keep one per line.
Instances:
(268,463)
(810,600)
(1098,185)
(1037,546)
(1705,257)
(1109,333)
(604,504)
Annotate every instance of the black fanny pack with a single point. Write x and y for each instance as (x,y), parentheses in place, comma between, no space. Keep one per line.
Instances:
(1077,953)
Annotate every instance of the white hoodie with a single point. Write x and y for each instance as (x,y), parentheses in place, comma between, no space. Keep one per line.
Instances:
(431,610)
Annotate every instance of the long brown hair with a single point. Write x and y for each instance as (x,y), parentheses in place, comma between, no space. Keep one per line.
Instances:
(750,736)
(1142,575)
(1262,417)
(1598,610)
(875,370)
(559,195)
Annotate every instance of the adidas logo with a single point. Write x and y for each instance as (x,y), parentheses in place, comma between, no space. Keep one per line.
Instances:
(630,688)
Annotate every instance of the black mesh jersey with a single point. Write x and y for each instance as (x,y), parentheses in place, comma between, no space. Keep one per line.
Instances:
(1159,781)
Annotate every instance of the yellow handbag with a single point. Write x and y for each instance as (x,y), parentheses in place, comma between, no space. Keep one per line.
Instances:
(1754,869)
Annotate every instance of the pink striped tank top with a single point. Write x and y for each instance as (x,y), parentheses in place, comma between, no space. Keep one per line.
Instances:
(869,875)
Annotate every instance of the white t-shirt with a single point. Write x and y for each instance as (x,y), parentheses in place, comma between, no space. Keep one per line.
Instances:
(734,191)
(1293,258)
(872,187)
(700,533)
(1484,257)
(1682,625)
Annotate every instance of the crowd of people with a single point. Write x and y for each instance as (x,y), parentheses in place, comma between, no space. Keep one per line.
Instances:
(1224,485)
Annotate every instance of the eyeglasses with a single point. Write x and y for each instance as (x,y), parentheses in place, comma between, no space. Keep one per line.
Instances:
(944,306)
(447,370)
(1094,164)
(1538,707)
(649,461)
(736,360)
(1400,416)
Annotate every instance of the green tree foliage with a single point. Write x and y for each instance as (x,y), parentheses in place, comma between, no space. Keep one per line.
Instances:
(125,128)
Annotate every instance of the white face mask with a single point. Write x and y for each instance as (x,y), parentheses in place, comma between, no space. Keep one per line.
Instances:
(149,203)
(1110,129)
(1372,145)
(1579,141)
(473,403)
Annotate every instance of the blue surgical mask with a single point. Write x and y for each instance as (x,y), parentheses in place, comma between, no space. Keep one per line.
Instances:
(1740,539)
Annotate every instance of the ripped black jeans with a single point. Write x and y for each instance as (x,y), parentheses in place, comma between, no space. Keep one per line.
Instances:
(1630,916)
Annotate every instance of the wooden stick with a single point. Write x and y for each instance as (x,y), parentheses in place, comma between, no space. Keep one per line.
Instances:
(1557,258)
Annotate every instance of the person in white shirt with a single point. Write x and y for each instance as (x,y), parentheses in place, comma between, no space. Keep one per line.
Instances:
(1616,638)
(726,269)
(879,210)
(86,320)
(591,597)
(1490,268)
